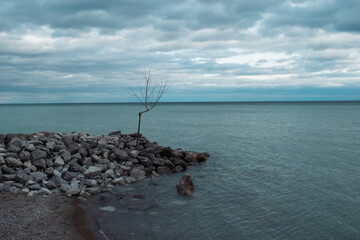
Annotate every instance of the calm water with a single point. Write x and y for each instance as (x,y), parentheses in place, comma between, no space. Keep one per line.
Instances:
(276,171)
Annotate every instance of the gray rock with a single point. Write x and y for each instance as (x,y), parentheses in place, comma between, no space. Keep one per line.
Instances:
(109,174)
(49,171)
(8,177)
(164,170)
(185,185)
(102,143)
(2,160)
(50,185)
(118,181)
(134,153)
(190,157)
(49,162)
(90,182)
(94,190)
(58,181)
(24,156)
(14,146)
(38,154)
(39,163)
(34,187)
(66,156)
(130,180)
(13,162)
(45,191)
(178,169)
(30,147)
(120,154)
(65,187)
(39,176)
(92,171)
(58,161)
(137,173)
(22,177)
(27,164)
(95,158)
(67,138)
(68,176)
(6,169)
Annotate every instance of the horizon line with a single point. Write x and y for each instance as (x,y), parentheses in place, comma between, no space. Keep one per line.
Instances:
(185,102)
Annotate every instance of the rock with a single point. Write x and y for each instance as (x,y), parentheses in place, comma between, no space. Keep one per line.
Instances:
(130,180)
(94,190)
(2,160)
(120,154)
(57,181)
(34,187)
(137,173)
(102,143)
(164,170)
(49,162)
(67,139)
(107,209)
(38,154)
(39,176)
(39,163)
(134,153)
(65,187)
(30,147)
(185,185)
(92,171)
(118,181)
(8,177)
(13,162)
(45,191)
(74,188)
(50,185)
(190,157)
(90,182)
(22,177)
(178,169)
(24,156)
(58,161)
(27,164)
(109,174)
(14,145)
(6,169)
(66,156)
(201,157)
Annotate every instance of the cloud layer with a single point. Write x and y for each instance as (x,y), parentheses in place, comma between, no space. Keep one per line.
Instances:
(91,51)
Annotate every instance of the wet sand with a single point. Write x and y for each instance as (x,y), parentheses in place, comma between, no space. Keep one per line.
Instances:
(54,217)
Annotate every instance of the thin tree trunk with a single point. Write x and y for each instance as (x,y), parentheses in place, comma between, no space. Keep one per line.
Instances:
(138,133)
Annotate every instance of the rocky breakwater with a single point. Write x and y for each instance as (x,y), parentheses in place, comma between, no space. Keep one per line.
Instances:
(79,164)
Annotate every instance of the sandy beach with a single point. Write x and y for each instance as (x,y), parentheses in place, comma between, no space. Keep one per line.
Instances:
(41,217)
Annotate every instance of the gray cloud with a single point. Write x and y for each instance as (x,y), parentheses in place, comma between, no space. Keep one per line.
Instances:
(81,46)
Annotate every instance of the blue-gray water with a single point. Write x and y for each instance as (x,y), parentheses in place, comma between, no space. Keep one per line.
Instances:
(276,171)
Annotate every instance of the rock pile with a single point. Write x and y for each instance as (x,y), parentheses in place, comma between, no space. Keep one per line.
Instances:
(79,164)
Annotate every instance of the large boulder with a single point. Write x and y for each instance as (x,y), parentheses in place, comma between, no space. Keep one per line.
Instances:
(185,185)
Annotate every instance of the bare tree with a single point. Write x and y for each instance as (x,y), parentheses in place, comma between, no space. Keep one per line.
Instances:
(149,95)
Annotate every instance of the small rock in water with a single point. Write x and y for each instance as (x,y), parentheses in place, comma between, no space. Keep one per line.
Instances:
(185,186)
(108,209)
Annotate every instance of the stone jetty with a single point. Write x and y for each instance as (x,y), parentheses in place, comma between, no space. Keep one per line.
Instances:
(79,164)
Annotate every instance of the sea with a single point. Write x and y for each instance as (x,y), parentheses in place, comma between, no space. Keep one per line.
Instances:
(277,170)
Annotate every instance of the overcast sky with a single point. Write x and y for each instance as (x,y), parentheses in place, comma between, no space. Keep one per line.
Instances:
(208,50)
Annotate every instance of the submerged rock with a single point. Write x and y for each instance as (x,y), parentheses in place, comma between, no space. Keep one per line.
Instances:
(185,185)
